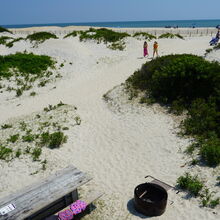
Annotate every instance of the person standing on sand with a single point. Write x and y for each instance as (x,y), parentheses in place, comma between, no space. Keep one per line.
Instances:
(145,49)
(155,47)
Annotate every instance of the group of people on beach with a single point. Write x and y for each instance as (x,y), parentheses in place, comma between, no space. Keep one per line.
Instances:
(155,49)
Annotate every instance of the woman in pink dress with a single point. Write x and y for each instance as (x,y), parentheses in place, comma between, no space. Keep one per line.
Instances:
(145,49)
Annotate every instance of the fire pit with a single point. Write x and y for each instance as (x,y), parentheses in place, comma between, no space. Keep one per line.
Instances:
(150,199)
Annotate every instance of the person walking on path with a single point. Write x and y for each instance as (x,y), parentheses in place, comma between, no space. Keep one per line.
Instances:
(155,48)
(145,49)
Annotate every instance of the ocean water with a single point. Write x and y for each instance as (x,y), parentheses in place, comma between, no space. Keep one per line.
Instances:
(130,24)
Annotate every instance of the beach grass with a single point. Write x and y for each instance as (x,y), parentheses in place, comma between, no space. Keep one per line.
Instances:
(145,35)
(4,30)
(113,38)
(40,37)
(170,35)
(24,69)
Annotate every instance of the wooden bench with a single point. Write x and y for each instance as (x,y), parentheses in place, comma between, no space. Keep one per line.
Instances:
(89,199)
(43,199)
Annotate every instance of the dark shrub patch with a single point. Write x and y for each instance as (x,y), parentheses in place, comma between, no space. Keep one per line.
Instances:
(146,36)
(72,34)
(56,139)
(204,118)
(102,34)
(4,30)
(210,151)
(190,183)
(13,138)
(173,77)
(5,153)
(4,39)
(170,35)
(40,37)
(11,43)
(25,64)
(5,126)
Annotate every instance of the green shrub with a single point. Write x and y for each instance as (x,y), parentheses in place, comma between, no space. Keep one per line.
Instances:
(4,39)
(11,43)
(53,107)
(146,36)
(33,93)
(13,138)
(19,92)
(210,151)
(207,51)
(72,34)
(190,183)
(102,34)
(44,164)
(5,153)
(5,126)
(36,153)
(40,37)
(78,120)
(203,118)
(213,203)
(207,199)
(25,64)
(28,138)
(4,30)
(45,138)
(117,46)
(18,153)
(56,139)
(23,126)
(170,35)
(173,77)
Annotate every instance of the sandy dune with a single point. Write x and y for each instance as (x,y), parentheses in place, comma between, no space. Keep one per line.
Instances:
(118,143)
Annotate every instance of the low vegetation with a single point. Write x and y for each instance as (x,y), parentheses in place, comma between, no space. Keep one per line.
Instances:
(11,43)
(4,30)
(146,36)
(28,138)
(197,188)
(72,34)
(23,69)
(170,35)
(190,183)
(40,37)
(4,39)
(209,50)
(112,38)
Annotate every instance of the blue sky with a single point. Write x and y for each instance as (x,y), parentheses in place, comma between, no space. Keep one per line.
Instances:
(64,11)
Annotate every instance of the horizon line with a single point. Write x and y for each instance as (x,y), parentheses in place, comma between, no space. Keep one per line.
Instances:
(90,22)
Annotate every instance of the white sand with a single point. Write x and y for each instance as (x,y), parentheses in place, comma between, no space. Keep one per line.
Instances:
(118,143)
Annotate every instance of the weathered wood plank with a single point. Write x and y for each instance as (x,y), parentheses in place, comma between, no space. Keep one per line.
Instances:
(40,195)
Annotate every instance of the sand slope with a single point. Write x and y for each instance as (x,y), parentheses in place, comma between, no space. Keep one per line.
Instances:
(118,143)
